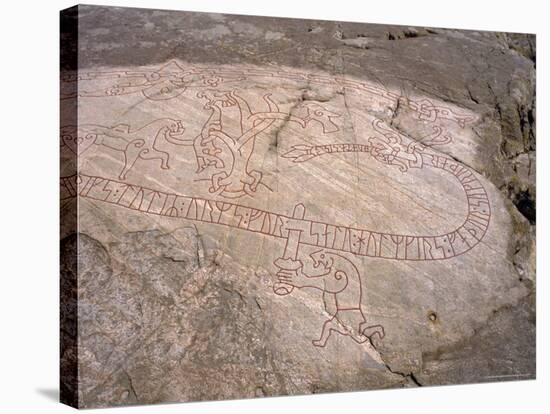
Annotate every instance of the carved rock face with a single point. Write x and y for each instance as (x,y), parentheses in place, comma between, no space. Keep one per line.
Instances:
(292,224)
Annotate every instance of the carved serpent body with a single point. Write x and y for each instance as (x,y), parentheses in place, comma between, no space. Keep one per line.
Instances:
(361,242)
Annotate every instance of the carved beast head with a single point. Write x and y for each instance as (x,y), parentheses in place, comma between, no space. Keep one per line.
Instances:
(316,112)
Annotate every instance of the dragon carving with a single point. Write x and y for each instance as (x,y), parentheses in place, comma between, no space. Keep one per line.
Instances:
(225,153)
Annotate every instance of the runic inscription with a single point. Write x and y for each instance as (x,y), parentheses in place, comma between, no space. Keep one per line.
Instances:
(224,150)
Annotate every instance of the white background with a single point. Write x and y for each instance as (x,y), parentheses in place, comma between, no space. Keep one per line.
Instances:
(29,207)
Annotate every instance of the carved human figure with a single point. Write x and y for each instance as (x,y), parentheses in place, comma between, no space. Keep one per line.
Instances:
(339,280)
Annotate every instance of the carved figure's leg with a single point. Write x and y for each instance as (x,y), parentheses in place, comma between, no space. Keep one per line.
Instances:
(154,154)
(329,326)
(252,180)
(217,182)
(371,330)
(131,154)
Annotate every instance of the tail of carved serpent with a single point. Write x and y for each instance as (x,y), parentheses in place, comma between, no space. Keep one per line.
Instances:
(360,242)
(409,247)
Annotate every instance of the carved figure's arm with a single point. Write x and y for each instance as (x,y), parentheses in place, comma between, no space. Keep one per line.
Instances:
(331,282)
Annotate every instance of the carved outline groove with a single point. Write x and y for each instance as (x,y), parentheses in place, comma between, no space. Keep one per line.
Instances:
(332,240)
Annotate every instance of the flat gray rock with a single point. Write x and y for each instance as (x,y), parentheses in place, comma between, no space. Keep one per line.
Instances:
(255,206)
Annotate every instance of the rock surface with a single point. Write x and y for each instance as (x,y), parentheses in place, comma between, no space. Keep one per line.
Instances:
(214,157)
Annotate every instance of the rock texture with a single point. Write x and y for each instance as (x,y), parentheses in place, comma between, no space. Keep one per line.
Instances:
(255,206)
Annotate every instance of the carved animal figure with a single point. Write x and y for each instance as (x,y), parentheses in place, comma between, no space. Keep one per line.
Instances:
(140,143)
(339,280)
(229,155)
(236,178)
